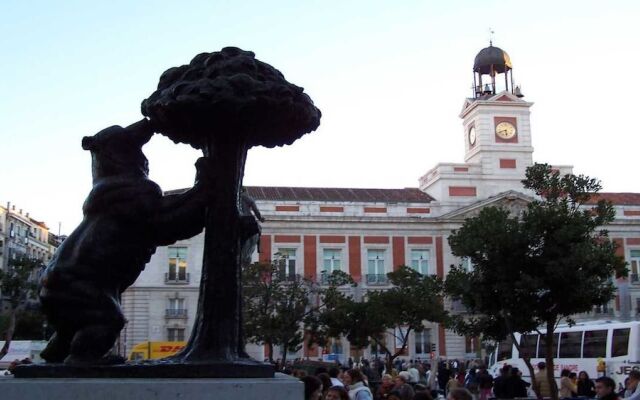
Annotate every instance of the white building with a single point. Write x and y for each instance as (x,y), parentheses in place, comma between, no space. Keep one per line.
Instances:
(369,232)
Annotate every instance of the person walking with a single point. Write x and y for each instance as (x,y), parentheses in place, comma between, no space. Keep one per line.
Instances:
(633,385)
(354,381)
(385,387)
(567,388)
(337,393)
(485,383)
(403,387)
(543,387)
(516,386)
(586,387)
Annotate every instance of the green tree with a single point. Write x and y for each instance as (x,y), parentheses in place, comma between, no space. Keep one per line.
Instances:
(413,299)
(278,308)
(18,284)
(538,268)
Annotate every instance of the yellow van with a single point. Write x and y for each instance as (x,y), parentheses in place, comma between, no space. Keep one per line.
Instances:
(155,350)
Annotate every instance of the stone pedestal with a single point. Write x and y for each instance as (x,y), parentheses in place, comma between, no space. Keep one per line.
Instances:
(282,387)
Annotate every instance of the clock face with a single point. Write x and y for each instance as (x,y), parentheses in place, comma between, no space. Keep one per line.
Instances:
(472,135)
(505,130)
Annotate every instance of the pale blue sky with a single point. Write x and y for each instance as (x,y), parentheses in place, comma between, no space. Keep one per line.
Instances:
(389,76)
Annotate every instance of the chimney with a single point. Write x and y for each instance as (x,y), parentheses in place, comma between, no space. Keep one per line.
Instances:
(27,215)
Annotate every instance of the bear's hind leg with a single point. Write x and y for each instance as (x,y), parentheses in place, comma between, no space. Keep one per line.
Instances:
(58,347)
(90,344)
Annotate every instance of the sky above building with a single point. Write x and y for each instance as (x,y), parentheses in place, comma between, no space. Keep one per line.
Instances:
(389,76)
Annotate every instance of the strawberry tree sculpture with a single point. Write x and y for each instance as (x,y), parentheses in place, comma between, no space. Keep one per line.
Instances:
(224,103)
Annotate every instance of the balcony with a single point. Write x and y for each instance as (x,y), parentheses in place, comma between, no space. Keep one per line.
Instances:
(176,279)
(176,313)
(633,278)
(377,279)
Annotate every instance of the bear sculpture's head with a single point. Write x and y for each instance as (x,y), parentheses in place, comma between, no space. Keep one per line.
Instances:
(118,151)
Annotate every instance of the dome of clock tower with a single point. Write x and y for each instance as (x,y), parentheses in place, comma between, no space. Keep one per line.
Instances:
(492,59)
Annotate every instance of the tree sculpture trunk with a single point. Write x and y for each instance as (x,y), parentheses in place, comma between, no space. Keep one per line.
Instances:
(216,333)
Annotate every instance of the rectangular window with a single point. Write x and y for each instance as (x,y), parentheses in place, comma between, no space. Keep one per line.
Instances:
(176,304)
(175,334)
(420,261)
(542,346)
(287,263)
(620,345)
(331,260)
(472,345)
(571,344)
(635,266)
(595,344)
(423,341)
(376,273)
(400,333)
(528,346)
(176,308)
(467,265)
(505,349)
(177,263)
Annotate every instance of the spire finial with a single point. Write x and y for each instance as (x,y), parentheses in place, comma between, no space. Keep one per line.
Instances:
(491,32)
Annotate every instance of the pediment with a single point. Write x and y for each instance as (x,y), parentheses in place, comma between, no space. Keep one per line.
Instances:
(506,96)
(511,200)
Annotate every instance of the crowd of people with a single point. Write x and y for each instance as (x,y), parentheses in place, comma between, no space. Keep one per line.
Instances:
(372,380)
(453,380)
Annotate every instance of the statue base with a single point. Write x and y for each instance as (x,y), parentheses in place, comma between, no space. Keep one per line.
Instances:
(281,387)
(150,369)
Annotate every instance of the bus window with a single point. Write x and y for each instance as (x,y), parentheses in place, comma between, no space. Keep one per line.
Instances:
(542,348)
(505,349)
(571,344)
(528,345)
(620,345)
(595,344)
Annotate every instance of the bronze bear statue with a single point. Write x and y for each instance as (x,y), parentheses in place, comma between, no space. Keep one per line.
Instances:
(126,217)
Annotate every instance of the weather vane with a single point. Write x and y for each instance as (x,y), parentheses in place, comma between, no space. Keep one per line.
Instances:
(491,32)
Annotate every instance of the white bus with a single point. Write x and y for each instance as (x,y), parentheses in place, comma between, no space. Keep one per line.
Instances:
(576,348)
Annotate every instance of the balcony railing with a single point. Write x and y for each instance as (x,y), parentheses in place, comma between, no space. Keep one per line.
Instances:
(377,279)
(176,313)
(633,278)
(176,279)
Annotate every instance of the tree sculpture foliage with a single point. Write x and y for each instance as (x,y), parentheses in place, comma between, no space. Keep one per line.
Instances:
(225,103)
(413,300)
(18,285)
(538,268)
(279,308)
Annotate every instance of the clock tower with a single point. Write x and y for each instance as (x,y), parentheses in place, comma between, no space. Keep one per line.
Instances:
(496,127)
(496,133)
